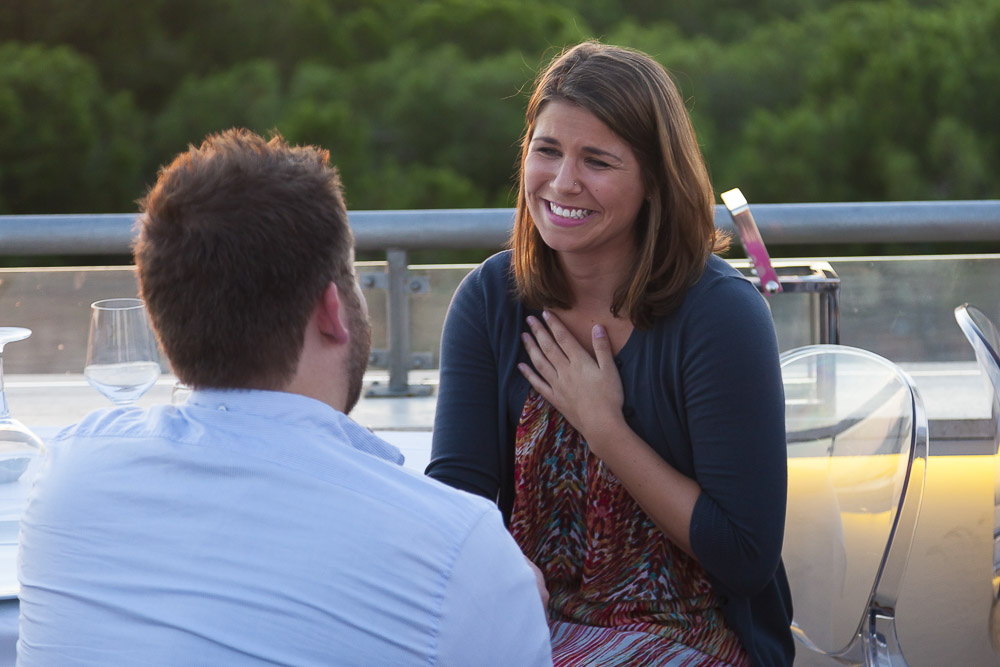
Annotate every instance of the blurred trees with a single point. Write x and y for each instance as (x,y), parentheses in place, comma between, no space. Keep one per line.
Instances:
(421,103)
(890,106)
(66,144)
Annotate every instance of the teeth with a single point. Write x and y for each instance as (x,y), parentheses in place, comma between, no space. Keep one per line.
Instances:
(574,213)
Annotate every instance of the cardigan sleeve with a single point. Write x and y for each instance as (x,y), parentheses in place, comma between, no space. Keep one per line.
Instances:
(735,414)
(465,452)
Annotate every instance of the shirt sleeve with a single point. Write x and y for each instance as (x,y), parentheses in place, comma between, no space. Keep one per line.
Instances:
(734,403)
(492,613)
(465,452)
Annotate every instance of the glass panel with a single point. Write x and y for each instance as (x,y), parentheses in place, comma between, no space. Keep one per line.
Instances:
(902,307)
(898,307)
(427,311)
(55,304)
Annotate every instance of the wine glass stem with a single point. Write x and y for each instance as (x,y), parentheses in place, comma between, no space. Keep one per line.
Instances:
(4,412)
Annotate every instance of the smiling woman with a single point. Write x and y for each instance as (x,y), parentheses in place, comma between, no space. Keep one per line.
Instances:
(615,386)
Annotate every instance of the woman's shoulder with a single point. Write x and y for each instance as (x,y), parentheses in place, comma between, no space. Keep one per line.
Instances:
(496,268)
(720,281)
(721,296)
(491,279)
(488,292)
(719,270)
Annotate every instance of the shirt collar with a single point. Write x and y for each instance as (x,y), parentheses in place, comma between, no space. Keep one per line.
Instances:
(299,408)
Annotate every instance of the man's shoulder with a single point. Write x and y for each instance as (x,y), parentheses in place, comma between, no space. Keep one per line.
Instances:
(109,422)
(342,463)
(363,469)
(426,500)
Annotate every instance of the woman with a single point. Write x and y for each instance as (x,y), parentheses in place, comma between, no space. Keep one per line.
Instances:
(615,386)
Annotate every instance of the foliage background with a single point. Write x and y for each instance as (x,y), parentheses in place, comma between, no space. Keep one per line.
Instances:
(421,103)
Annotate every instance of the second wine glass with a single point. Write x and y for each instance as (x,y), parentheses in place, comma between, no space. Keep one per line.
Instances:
(18,445)
(122,357)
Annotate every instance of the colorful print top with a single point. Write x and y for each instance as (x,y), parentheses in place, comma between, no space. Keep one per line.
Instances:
(605,562)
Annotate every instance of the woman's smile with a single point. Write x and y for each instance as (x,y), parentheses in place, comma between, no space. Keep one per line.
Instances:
(567,216)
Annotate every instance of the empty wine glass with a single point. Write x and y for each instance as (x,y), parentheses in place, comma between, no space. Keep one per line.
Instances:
(122,358)
(18,445)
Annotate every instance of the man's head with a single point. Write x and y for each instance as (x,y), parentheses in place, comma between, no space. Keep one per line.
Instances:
(239,240)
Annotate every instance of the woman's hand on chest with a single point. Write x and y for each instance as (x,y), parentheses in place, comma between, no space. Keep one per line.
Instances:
(586,389)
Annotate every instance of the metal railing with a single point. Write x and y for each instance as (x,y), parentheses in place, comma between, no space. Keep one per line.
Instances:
(780,224)
(397,232)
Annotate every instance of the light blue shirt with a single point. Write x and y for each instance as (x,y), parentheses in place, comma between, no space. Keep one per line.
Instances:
(250,527)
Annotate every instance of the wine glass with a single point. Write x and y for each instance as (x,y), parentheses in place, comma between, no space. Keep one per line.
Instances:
(122,358)
(18,445)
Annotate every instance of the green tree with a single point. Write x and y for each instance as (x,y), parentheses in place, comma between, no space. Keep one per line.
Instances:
(446,111)
(480,28)
(65,145)
(421,103)
(128,41)
(866,101)
(247,95)
(318,110)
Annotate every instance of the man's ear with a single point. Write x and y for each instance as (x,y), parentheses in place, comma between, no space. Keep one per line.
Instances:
(331,315)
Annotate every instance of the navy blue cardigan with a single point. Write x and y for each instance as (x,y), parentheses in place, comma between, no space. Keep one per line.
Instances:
(702,388)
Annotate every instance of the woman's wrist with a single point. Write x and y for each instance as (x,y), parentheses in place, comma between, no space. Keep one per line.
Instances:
(606,431)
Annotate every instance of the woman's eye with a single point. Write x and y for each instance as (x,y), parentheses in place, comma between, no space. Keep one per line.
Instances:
(600,164)
(547,150)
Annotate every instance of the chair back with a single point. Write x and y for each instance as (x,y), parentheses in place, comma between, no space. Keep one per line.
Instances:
(857,447)
(985,340)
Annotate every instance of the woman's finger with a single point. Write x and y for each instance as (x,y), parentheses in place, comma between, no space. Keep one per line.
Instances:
(538,357)
(545,341)
(537,383)
(563,338)
(602,347)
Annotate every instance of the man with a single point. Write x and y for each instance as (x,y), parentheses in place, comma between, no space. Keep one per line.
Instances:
(257,523)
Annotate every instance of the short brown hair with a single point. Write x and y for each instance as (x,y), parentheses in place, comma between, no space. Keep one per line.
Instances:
(237,240)
(675,230)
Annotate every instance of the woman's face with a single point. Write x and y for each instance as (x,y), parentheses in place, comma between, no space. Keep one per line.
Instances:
(582,183)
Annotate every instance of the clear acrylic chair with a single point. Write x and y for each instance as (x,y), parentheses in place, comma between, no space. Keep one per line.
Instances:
(985,340)
(857,452)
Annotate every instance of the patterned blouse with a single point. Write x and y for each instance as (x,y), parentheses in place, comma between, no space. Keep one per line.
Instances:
(618,587)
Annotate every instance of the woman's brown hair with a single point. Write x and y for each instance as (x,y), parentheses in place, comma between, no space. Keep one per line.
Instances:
(675,230)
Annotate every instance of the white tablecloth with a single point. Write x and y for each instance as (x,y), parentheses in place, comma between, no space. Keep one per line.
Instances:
(8,632)
(13,497)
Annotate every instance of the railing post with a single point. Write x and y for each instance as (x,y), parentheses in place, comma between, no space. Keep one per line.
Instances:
(398,320)
(825,316)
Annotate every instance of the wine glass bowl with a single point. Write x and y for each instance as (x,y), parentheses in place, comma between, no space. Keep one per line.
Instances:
(122,357)
(18,445)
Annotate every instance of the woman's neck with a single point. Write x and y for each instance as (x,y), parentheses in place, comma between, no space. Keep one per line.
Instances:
(593,284)
(593,281)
